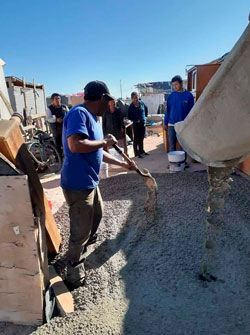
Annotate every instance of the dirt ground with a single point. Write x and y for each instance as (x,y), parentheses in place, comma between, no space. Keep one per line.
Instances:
(143,273)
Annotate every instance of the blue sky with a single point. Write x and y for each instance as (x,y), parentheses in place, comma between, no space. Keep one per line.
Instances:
(64,44)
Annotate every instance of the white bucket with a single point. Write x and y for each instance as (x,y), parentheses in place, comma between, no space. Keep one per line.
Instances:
(176,161)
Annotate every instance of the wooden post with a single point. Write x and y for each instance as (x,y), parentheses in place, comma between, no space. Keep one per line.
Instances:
(25,103)
(34,90)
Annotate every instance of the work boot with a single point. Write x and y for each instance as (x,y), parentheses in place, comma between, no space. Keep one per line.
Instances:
(75,275)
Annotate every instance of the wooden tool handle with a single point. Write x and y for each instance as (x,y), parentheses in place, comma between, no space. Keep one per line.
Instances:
(115,146)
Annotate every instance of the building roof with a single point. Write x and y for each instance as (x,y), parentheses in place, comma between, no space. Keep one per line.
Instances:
(20,82)
(213,62)
(157,85)
(220,59)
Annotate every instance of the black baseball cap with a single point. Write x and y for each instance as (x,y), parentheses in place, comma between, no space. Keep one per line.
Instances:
(95,90)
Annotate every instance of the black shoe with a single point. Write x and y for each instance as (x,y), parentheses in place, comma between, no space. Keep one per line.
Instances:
(145,154)
(139,156)
(75,275)
(72,286)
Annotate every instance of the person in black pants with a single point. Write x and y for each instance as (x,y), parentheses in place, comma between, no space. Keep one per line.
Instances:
(138,113)
(55,115)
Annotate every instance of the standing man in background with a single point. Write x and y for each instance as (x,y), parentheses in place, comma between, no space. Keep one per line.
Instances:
(179,104)
(138,113)
(55,115)
(112,121)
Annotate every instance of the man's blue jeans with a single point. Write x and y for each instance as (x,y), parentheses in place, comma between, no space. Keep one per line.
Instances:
(172,139)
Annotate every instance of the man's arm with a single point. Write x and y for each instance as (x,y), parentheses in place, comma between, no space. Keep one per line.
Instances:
(166,115)
(104,123)
(130,113)
(190,102)
(80,144)
(146,110)
(121,122)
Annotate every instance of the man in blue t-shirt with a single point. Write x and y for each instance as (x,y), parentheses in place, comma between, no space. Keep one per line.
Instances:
(83,145)
(179,104)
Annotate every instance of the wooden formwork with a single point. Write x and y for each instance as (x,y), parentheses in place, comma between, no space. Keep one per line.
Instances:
(22,259)
(27,231)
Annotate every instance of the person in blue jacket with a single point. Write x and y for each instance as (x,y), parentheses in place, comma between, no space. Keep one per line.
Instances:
(138,112)
(179,104)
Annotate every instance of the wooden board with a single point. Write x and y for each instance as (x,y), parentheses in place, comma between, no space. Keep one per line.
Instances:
(245,166)
(53,234)
(13,147)
(21,277)
(64,299)
(10,139)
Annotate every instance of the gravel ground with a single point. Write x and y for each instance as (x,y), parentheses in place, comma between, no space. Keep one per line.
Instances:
(143,272)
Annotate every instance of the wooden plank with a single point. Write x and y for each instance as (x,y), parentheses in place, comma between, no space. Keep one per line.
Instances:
(13,147)
(64,298)
(21,278)
(37,116)
(54,239)
(29,127)
(10,139)
(245,166)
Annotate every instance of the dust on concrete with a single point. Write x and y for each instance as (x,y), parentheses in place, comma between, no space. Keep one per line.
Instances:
(143,273)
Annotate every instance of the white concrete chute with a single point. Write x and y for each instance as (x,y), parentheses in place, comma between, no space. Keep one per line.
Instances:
(217,129)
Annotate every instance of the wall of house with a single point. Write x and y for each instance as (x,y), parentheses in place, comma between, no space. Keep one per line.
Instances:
(4,113)
(204,74)
(17,100)
(76,99)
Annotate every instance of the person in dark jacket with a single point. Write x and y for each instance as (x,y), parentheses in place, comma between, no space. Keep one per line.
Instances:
(138,113)
(55,115)
(179,104)
(112,121)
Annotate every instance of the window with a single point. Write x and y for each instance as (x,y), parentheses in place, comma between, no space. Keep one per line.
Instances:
(194,79)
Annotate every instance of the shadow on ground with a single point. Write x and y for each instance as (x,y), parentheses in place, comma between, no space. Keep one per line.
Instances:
(163,257)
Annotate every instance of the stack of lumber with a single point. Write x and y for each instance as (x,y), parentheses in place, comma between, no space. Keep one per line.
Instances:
(27,231)
(21,261)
